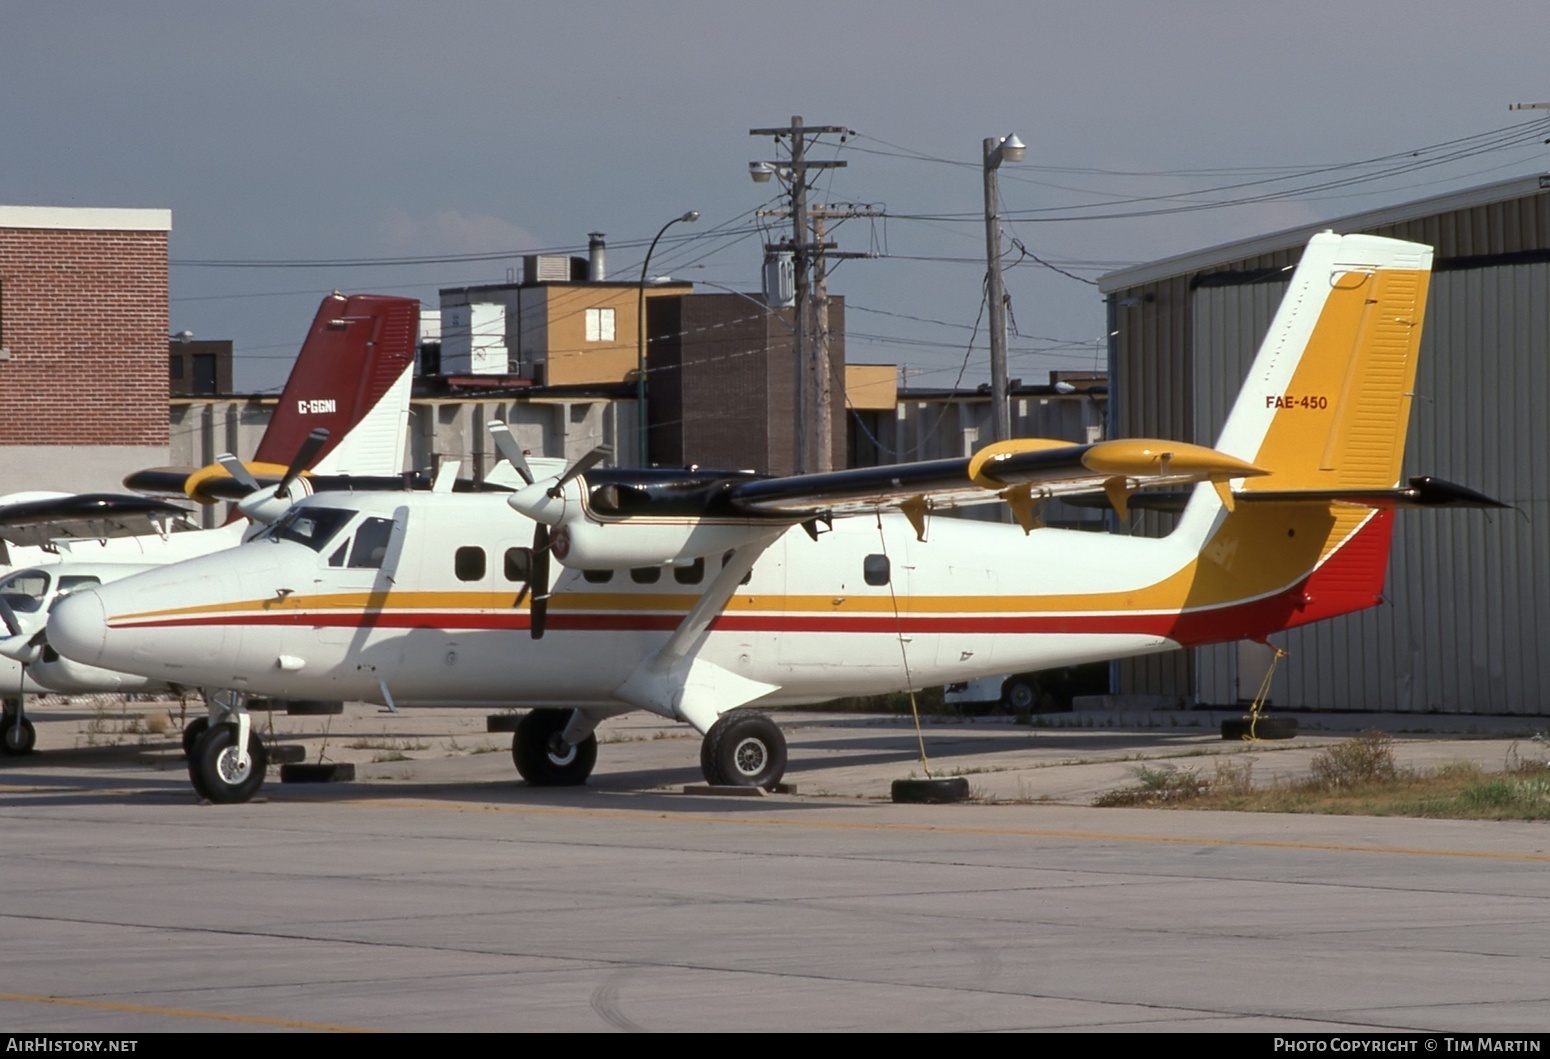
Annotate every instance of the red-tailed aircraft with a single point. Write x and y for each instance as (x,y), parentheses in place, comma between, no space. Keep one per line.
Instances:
(693,593)
(343,411)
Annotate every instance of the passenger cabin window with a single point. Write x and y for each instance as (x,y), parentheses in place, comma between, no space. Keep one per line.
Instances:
(371,544)
(468,564)
(727,558)
(646,575)
(692,574)
(875,569)
(598,577)
(519,564)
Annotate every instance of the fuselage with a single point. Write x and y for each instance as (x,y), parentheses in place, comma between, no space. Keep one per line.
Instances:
(31,593)
(423,600)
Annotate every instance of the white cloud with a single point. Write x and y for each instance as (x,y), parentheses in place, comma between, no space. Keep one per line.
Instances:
(452,232)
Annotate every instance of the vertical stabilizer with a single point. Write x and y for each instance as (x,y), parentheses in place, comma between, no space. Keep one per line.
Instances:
(1324,409)
(352,378)
(1327,401)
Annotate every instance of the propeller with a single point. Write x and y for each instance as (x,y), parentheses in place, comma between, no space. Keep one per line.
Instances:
(267,505)
(506,445)
(510,451)
(538,613)
(17,644)
(238,470)
(579,468)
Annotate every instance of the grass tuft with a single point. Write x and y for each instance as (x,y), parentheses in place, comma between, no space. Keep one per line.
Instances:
(1357,777)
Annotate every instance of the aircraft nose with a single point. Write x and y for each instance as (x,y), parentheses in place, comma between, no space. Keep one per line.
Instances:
(77,627)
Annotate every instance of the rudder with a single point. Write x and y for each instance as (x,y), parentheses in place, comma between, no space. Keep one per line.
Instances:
(1326,404)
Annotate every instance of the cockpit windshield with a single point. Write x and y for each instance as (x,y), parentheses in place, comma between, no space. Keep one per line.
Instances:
(309,525)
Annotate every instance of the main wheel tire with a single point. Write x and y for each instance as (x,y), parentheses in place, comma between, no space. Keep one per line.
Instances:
(1019,695)
(214,770)
(18,738)
(535,748)
(743,748)
(941,791)
(191,733)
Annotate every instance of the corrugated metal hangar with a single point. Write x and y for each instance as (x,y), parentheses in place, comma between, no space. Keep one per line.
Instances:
(1466,624)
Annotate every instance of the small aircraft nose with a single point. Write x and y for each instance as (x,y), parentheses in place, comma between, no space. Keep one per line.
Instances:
(77,627)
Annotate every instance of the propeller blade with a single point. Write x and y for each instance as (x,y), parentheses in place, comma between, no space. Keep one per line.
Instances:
(581,467)
(511,452)
(303,459)
(8,618)
(538,613)
(238,470)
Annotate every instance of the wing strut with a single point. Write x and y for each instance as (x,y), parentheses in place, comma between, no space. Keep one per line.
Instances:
(675,682)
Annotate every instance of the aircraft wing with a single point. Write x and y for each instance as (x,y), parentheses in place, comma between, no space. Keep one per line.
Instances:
(37,519)
(1019,472)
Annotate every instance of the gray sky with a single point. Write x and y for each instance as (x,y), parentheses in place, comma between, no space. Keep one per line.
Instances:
(304,132)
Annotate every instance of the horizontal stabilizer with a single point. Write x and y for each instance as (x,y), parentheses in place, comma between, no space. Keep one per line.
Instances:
(1421,492)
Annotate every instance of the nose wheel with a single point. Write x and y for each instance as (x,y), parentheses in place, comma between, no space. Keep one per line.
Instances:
(219,773)
(743,748)
(17,735)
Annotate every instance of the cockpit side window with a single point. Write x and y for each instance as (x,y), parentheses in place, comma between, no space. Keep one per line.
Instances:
(371,544)
(25,591)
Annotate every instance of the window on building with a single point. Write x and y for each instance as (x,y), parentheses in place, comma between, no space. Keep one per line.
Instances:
(600,325)
(204,374)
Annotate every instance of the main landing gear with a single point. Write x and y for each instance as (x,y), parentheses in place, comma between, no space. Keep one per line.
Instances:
(557,748)
(744,748)
(542,753)
(226,758)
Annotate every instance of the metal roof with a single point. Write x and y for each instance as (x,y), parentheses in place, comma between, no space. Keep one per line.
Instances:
(1226,253)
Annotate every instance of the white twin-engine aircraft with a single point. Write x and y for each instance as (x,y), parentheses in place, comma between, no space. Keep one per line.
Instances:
(344,411)
(692,593)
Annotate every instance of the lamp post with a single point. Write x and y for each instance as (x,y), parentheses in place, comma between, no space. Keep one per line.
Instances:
(1010,149)
(640,331)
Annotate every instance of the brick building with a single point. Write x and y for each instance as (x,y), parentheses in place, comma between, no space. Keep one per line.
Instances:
(83,345)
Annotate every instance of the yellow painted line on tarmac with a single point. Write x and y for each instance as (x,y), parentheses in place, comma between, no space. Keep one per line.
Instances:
(858,825)
(183,1013)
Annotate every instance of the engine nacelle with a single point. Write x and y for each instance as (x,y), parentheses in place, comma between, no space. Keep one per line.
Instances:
(586,544)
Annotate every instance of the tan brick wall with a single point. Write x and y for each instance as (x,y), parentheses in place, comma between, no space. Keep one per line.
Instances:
(83,316)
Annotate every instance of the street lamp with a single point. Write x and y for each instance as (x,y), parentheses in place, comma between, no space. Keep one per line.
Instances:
(640,331)
(1009,149)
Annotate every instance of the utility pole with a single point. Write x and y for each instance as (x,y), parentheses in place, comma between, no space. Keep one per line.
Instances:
(997,149)
(813,443)
(820,370)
